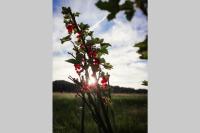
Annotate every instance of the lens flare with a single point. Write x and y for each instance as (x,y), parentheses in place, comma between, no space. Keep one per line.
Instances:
(92,81)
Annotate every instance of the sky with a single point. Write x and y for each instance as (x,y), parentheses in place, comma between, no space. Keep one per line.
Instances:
(128,70)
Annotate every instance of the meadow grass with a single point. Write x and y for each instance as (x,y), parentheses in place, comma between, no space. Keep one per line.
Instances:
(130,114)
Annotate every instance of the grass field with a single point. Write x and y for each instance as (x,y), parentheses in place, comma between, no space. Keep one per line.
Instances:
(130,112)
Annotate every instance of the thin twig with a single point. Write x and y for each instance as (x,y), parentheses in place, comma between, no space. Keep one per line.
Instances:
(71,54)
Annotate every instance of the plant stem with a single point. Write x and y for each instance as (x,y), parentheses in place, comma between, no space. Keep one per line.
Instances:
(96,113)
(104,113)
(82,115)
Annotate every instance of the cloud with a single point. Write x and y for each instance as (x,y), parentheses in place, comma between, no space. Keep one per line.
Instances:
(129,70)
(62,70)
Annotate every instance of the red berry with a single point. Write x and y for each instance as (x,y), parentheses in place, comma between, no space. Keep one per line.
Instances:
(96,61)
(78,68)
(70,28)
(82,46)
(94,54)
(90,53)
(104,81)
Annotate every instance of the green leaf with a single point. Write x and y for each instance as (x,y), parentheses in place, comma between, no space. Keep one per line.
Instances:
(145,83)
(102,73)
(66,21)
(129,14)
(97,40)
(64,39)
(76,14)
(128,5)
(111,16)
(129,9)
(107,66)
(144,55)
(142,4)
(102,60)
(79,57)
(90,33)
(73,61)
(75,48)
(143,49)
(84,26)
(105,45)
(112,6)
(65,10)
(103,50)
(67,16)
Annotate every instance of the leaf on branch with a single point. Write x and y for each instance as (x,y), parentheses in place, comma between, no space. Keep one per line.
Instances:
(128,5)
(73,61)
(76,14)
(111,16)
(142,4)
(129,10)
(84,26)
(145,83)
(112,6)
(102,60)
(129,14)
(75,48)
(64,39)
(79,57)
(143,48)
(107,66)
(97,40)
(90,33)
(103,50)
(105,45)
(67,16)
(102,74)
(66,21)
(65,10)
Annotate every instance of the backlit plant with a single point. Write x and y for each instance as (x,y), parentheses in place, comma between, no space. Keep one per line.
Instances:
(93,83)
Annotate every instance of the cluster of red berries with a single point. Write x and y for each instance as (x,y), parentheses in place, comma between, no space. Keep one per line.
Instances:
(70,28)
(93,54)
(88,87)
(104,81)
(96,62)
(78,68)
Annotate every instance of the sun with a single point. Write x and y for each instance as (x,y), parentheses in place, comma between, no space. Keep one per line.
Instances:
(92,81)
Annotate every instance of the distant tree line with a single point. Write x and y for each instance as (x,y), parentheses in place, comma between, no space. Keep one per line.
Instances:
(65,86)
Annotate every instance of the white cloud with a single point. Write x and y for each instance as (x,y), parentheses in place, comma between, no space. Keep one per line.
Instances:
(62,70)
(128,70)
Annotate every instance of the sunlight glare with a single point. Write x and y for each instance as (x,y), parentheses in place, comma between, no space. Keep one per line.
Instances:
(92,81)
